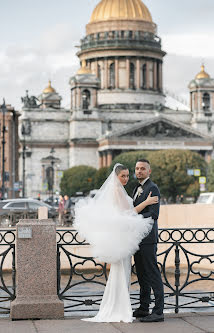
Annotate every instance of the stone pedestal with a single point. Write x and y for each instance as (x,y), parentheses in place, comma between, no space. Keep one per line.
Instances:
(36,291)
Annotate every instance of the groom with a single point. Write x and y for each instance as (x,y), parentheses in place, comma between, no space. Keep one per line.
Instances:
(148,273)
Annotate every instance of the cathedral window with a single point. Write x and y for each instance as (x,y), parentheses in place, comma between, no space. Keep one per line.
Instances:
(143,77)
(132,76)
(112,76)
(206,102)
(86,96)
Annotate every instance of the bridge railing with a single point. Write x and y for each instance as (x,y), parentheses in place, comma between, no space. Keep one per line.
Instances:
(185,256)
(186,261)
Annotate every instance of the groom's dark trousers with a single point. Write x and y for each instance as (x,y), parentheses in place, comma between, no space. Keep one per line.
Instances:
(148,273)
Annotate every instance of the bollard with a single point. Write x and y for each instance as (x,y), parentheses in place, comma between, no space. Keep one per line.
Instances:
(36,271)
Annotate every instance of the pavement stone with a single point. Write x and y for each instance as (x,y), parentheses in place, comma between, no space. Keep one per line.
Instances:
(204,322)
(21,326)
(73,326)
(174,323)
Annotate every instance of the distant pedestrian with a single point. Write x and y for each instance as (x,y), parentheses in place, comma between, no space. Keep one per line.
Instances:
(67,209)
(61,209)
(67,204)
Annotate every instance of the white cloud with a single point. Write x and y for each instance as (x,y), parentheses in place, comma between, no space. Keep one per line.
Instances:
(198,45)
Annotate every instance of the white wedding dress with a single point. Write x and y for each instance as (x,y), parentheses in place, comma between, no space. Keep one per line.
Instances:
(114,230)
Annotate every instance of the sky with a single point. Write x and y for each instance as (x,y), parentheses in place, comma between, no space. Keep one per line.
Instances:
(39,39)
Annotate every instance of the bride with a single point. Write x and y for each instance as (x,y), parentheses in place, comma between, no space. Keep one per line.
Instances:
(111,224)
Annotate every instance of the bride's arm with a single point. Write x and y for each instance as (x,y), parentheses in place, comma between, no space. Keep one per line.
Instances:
(149,201)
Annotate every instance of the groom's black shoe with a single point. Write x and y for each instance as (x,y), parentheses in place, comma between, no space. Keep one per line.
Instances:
(140,313)
(153,317)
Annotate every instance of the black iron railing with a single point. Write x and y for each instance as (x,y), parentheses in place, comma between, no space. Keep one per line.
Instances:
(186,260)
(7,269)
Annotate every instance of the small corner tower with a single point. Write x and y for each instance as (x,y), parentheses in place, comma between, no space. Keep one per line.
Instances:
(84,86)
(50,98)
(202,101)
(85,126)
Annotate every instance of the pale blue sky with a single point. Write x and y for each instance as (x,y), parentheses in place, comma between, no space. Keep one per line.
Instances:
(38,41)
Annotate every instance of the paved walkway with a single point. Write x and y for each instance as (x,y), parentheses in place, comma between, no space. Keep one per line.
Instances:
(181,323)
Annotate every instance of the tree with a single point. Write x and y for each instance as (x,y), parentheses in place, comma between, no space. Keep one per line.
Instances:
(78,179)
(210,177)
(100,177)
(169,170)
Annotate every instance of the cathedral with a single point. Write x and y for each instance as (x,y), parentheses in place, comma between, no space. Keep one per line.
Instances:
(117,103)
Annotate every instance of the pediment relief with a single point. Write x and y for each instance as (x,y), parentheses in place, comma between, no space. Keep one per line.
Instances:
(161,129)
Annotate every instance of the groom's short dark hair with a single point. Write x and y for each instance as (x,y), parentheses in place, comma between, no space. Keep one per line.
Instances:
(144,160)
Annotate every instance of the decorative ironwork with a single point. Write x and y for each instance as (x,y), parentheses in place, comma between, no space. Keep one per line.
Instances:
(7,269)
(186,286)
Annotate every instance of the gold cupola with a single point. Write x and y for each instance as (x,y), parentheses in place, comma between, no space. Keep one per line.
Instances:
(115,15)
(49,89)
(202,74)
(120,10)
(84,69)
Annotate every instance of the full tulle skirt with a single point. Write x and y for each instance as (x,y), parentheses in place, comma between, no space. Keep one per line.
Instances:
(113,234)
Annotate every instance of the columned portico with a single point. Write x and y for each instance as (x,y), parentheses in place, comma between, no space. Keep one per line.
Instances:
(158,135)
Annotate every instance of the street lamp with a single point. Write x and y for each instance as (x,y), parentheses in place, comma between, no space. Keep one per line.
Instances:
(4,110)
(52,151)
(23,131)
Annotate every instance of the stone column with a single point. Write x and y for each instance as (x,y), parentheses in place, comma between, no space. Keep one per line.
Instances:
(79,98)
(116,73)
(127,72)
(191,101)
(201,101)
(147,75)
(104,158)
(138,73)
(100,160)
(155,75)
(74,91)
(36,293)
(160,76)
(109,158)
(94,96)
(96,68)
(106,74)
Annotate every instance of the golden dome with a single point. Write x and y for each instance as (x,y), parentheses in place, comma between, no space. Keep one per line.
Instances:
(49,89)
(202,74)
(84,69)
(120,10)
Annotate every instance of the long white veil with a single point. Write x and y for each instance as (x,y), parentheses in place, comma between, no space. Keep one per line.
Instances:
(109,222)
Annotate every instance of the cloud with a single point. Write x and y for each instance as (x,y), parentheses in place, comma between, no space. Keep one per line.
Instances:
(196,45)
(30,67)
(53,56)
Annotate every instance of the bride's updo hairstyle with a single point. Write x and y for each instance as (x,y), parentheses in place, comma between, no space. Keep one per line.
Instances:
(119,168)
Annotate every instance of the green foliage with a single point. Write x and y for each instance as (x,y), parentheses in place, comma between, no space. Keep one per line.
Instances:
(100,177)
(169,170)
(210,177)
(78,179)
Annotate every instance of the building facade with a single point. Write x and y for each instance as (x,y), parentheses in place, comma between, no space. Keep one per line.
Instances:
(117,101)
(9,152)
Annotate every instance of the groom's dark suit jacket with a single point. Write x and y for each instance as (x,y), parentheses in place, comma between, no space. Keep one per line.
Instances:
(151,210)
